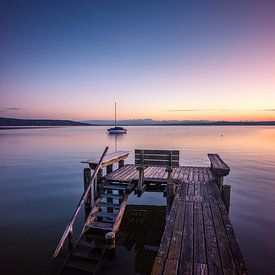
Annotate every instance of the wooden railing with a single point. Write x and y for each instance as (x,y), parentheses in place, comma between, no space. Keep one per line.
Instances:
(69,229)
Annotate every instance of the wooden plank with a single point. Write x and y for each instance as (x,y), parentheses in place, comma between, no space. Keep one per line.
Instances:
(159,173)
(197,190)
(108,205)
(175,244)
(120,214)
(235,249)
(148,172)
(157,152)
(111,196)
(182,192)
(157,157)
(224,248)
(158,265)
(186,174)
(108,159)
(120,174)
(131,174)
(166,237)
(153,172)
(171,267)
(157,162)
(218,165)
(200,260)
(212,251)
(187,251)
(191,188)
(175,173)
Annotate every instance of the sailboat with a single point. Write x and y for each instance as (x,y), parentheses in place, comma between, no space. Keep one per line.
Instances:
(116,129)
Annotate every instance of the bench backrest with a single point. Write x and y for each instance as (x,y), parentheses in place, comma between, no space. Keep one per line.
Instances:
(168,158)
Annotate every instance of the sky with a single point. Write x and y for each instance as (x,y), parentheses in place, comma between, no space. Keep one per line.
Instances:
(183,60)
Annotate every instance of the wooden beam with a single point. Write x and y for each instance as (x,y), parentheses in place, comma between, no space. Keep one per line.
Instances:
(108,159)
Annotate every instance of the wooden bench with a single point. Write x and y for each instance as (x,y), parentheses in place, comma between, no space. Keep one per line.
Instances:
(145,158)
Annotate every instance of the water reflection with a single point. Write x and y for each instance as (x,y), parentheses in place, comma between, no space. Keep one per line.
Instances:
(139,238)
(41,182)
(116,138)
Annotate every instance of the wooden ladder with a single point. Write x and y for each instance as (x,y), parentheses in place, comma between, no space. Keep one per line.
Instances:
(105,217)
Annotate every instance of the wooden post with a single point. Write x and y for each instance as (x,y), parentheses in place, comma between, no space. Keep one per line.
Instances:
(226,194)
(99,181)
(171,190)
(140,168)
(87,179)
(140,181)
(99,175)
(110,240)
(110,245)
(70,239)
(121,163)
(95,190)
(220,182)
(109,169)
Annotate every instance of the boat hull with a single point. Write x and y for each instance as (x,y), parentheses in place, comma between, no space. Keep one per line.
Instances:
(110,132)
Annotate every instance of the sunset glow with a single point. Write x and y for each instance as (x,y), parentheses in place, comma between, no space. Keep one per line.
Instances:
(168,61)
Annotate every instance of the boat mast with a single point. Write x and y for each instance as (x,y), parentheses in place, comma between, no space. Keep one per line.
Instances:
(115,114)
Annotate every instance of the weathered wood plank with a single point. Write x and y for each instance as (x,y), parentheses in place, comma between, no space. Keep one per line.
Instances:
(199,237)
(224,249)
(158,266)
(108,159)
(207,241)
(157,157)
(175,244)
(166,237)
(157,162)
(122,173)
(219,167)
(149,171)
(235,249)
(171,267)
(157,152)
(212,251)
(187,251)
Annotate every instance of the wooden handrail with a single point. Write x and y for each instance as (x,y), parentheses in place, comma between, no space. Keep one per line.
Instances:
(69,228)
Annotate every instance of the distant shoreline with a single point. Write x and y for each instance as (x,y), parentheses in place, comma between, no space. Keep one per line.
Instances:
(13,123)
(28,127)
(160,125)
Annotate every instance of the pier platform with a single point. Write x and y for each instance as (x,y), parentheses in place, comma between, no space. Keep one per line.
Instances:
(198,237)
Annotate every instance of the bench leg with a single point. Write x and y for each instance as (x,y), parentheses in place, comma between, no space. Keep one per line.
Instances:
(140,188)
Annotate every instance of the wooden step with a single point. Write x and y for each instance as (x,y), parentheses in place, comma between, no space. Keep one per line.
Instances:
(108,216)
(115,187)
(81,264)
(101,225)
(94,253)
(111,196)
(98,242)
(109,205)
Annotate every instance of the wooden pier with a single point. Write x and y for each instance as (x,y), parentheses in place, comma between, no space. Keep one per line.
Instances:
(198,236)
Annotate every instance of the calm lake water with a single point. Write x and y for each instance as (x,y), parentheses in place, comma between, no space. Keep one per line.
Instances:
(41,183)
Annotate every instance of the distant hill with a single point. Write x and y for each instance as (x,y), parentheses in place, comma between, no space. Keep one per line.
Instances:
(151,122)
(4,121)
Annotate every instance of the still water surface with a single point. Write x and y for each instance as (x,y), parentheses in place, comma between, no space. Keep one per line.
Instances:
(41,183)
